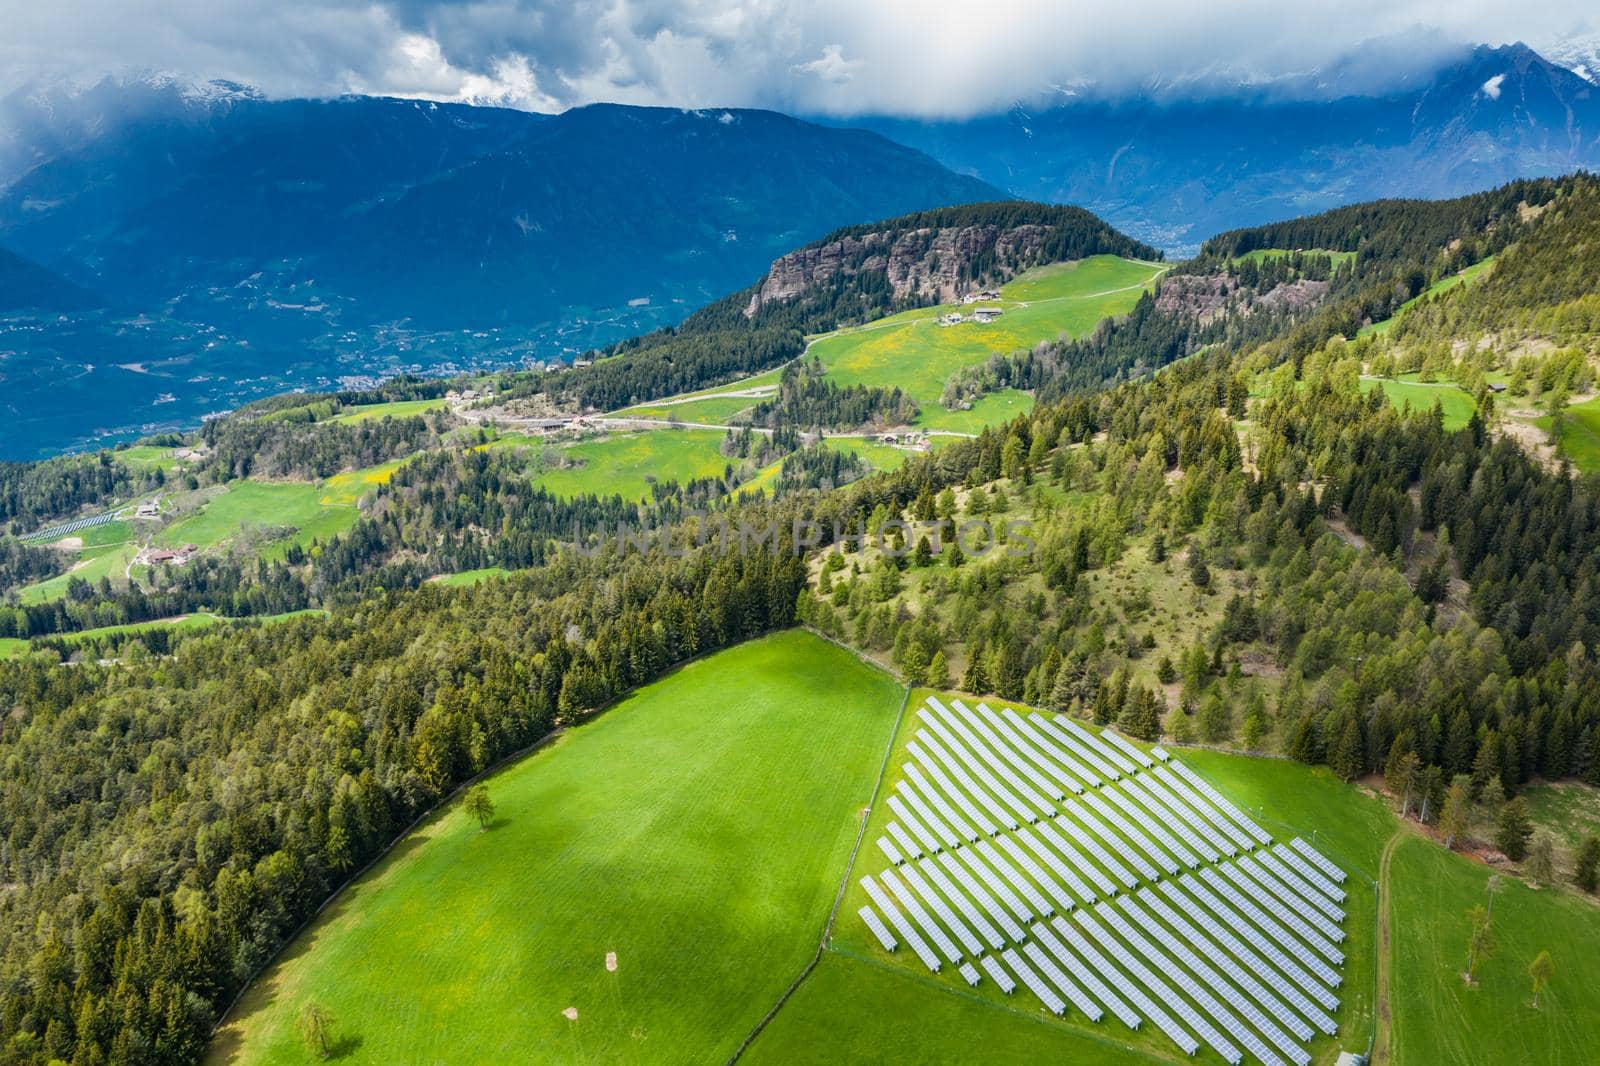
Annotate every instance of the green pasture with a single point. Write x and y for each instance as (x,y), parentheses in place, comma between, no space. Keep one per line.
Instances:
(1580,434)
(394,409)
(913,351)
(1456,404)
(628,463)
(699,830)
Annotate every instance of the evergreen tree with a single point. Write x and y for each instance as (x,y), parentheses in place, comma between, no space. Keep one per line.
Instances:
(1345,758)
(1541,864)
(1586,868)
(938,671)
(1513,829)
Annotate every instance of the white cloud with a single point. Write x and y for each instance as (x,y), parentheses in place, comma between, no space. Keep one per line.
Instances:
(915,57)
(1491,88)
(830,66)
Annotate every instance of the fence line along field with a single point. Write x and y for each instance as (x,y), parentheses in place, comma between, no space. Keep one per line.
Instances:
(699,830)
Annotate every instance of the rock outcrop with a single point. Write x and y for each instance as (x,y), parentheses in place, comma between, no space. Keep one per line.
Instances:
(941,263)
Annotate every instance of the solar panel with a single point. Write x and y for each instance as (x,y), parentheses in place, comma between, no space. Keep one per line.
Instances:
(1075,860)
(1159,752)
(1195,830)
(1098,744)
(1317,859)
(941,832)
(1047,884)
(885,938)
(963,903)
(1214,983)
(925,924)
(1059,956)
(1191,798)
(942,910)
(1034,982)
(1149,825)
(1163,963)
(1118,741)
(1068,987)
(958,770)
(919,832)
(968,974)
(1331,910)
(997,974)
(1092,846)
(891,852)
(1088,754)
(1266,923)
(1011,807)
(898,834)
(1023,743)
(1051,746)
(1263,948)
(1134,836)
(1218,954)
(1025,859)
(1013,880)
(1014,907)
(986,724)
(981,897)
(1313,927)
(907,932)
(1096,965)
(1205,789)
(937,797)
(1142,973)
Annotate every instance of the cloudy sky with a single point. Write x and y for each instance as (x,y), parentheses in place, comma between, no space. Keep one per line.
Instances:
(913,57)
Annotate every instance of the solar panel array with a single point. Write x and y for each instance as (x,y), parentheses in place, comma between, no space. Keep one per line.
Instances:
(1042,856)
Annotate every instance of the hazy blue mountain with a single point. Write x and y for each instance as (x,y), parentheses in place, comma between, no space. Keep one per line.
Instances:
(1174,170)
(27,286)
(247,246)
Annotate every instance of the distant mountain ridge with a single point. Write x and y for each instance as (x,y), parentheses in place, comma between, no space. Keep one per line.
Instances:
(1173,171)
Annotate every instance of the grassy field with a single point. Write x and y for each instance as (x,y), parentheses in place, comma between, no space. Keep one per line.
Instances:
(1260,255)
(717,410)
(11,647)
(628,463)
(699,829)
(1457,405)
(911,350)
(1293,799)
(108,560)
(1580,434)
(470,577)
(878,456)
(855,1010)
(1438,1017)
(396,409)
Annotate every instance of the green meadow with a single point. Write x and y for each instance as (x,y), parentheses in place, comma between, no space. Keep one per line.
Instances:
(628,463)
(716,410)
(698,829)
(467,578)
(395,409)
(913,351)
(1580,434)
(1471,274)
(1457,405)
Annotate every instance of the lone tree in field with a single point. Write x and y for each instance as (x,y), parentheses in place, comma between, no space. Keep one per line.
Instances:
(316,1028)
(478,804)
(1542,969)
(1480,943)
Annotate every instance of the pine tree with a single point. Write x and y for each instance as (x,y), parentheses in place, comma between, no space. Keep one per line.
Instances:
(1061,693)
(1586,870)
(1513,829)
(1487,763)
(1347,750)
(1457,812)
(1458,744)
(975,679)
(1541,864)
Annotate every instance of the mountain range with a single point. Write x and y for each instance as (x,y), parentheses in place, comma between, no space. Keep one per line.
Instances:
(174,248)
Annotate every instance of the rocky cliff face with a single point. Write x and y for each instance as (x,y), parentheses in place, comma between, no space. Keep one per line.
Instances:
(942,263)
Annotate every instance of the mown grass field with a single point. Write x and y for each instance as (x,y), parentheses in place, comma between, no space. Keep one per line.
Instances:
(470,577)
(1293,799)
(699,829)
(1438,1017)
(717,410)
(1262,254)
(913,351)
(1456,404)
